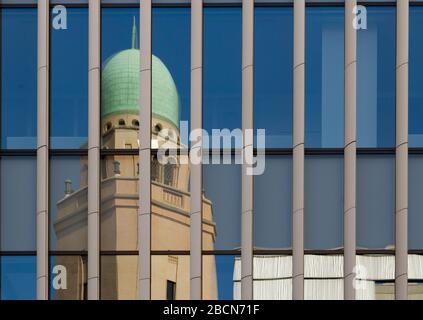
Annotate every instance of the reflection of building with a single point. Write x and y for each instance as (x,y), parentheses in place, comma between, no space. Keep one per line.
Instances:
(170,221)
(323,278)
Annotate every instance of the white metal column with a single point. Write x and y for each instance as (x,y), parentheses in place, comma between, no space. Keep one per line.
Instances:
(144,214)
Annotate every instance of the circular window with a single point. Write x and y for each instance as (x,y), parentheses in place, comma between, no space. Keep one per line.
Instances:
(135,123)
(121,122)
(108,126)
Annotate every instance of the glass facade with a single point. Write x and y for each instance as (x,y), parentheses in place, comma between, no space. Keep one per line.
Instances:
(53,182)
(376,79)
(19,67)
(69,81)
(324,77)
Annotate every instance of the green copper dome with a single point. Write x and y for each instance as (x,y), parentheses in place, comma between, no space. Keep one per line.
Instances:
(120,91)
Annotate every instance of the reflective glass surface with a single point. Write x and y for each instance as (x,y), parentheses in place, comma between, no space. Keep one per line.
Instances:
(376,79)
(324,205)
(69,79)
(273,204)
(17,203)
(68,203)
(375,201)
(324,74)
(273,51)
(18,78)
(18,279)
(222,77)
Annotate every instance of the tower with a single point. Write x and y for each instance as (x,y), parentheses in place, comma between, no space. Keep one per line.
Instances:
(170,197)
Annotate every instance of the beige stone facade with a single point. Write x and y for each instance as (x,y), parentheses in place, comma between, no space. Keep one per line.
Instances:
(170,220)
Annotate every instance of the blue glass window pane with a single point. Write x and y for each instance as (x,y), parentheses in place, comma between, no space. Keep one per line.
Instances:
(18,78)
(222,273)
(171,41)
(273,204)
(222,76)
(69,82)
(324,202)
(17,203)
(18,278)
(375,201)
(376,79)
(324,65)
(273,58)
(415,116)
(222,186)
(68,203)
(415,202)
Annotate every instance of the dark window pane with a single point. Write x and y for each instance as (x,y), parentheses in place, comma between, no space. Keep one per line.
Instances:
(273,51)
(222,69)
(68,203)
(170,290)
(69,82)
(324,77)
(324,205)
(222,188)
(415,119)
(218,277)
(376,79)
(19,78)
(273,204)
(375,201)
(68,277)
(415,202)
(17,203)
(18,279)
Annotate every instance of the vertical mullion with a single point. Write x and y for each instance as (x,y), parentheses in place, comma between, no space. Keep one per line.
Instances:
(42,149)
(144,213)
(196,181)
(298,153)
(350,148)
(401,199)
(94,152)
(247,145)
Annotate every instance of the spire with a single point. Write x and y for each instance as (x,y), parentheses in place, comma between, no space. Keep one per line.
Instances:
(134,35)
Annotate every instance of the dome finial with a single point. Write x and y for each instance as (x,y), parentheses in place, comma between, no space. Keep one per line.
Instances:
(134,35)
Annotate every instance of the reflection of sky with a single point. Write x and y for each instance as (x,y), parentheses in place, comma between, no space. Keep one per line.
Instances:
(19,74)
(324,77)
(69,81)
(225,271)
(17,203)
(376,74)
(273,52)
(18,278)
(222,68)
(222,186)
(415,119)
